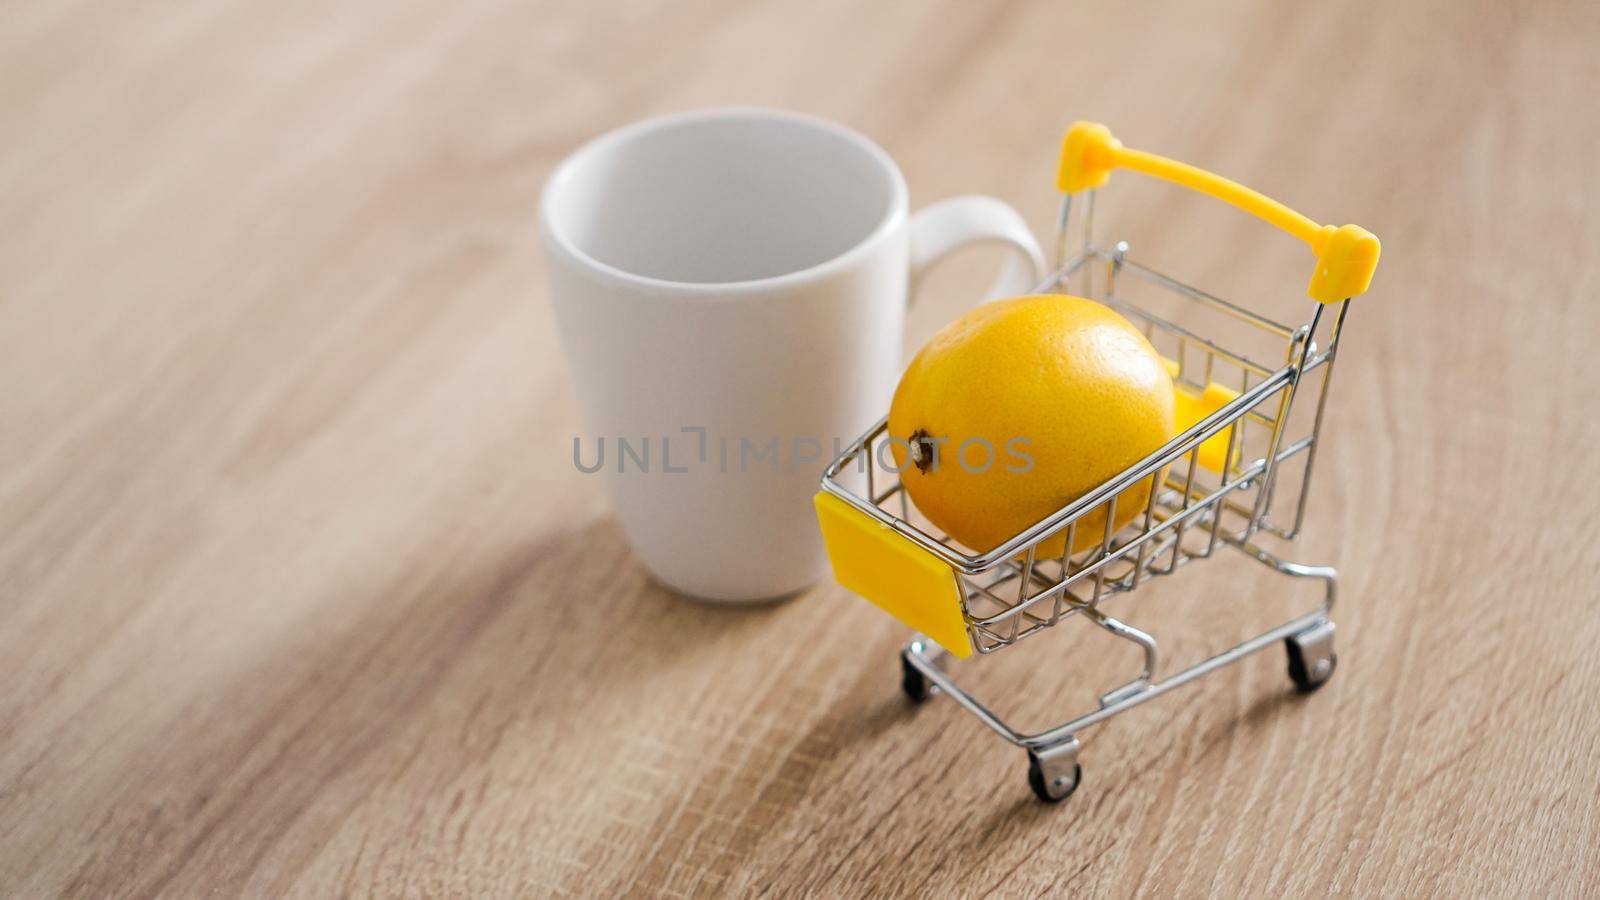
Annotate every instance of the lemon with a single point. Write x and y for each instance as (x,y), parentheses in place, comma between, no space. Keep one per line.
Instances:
(1020,407)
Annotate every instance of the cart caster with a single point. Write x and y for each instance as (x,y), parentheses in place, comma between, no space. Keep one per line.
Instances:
(1053,772)
(917,686)
(1311,657)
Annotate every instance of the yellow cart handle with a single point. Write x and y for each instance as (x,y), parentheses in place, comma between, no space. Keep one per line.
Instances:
(1346,255)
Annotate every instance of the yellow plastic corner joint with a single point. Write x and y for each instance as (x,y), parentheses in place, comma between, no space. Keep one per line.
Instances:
(902,579)
(1345,263)
(1347,256)
(1088,154)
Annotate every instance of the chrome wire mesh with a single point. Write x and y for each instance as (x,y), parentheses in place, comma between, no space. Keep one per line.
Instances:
(1011,592)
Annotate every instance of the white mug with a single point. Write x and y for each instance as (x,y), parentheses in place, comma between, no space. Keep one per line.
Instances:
(730,288)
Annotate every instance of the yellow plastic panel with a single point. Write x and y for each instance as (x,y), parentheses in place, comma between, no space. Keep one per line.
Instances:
(904,580)
(1190,407)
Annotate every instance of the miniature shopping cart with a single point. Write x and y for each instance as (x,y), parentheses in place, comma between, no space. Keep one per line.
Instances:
(1237,472)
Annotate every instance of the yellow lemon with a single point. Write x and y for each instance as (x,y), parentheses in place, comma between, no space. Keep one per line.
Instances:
(1020,407)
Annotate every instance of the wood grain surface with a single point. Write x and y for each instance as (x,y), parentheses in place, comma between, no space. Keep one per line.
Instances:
(300,593)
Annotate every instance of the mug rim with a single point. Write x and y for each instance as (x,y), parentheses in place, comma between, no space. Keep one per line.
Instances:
(555,237)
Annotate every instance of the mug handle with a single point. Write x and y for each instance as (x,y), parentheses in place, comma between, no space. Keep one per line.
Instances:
(944,227)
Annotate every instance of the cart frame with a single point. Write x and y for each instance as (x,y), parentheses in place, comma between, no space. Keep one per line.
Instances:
(1216,484)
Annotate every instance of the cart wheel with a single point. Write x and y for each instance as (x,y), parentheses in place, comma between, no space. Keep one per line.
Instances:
(1308,678)
(916,685)
(1052,790)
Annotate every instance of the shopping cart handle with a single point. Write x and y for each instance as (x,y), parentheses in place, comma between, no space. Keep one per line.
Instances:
(1346,255)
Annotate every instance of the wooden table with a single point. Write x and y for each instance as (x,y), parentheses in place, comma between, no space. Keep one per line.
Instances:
(301,594)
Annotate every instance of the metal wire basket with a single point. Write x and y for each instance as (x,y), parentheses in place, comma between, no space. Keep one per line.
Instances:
(1239,467)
